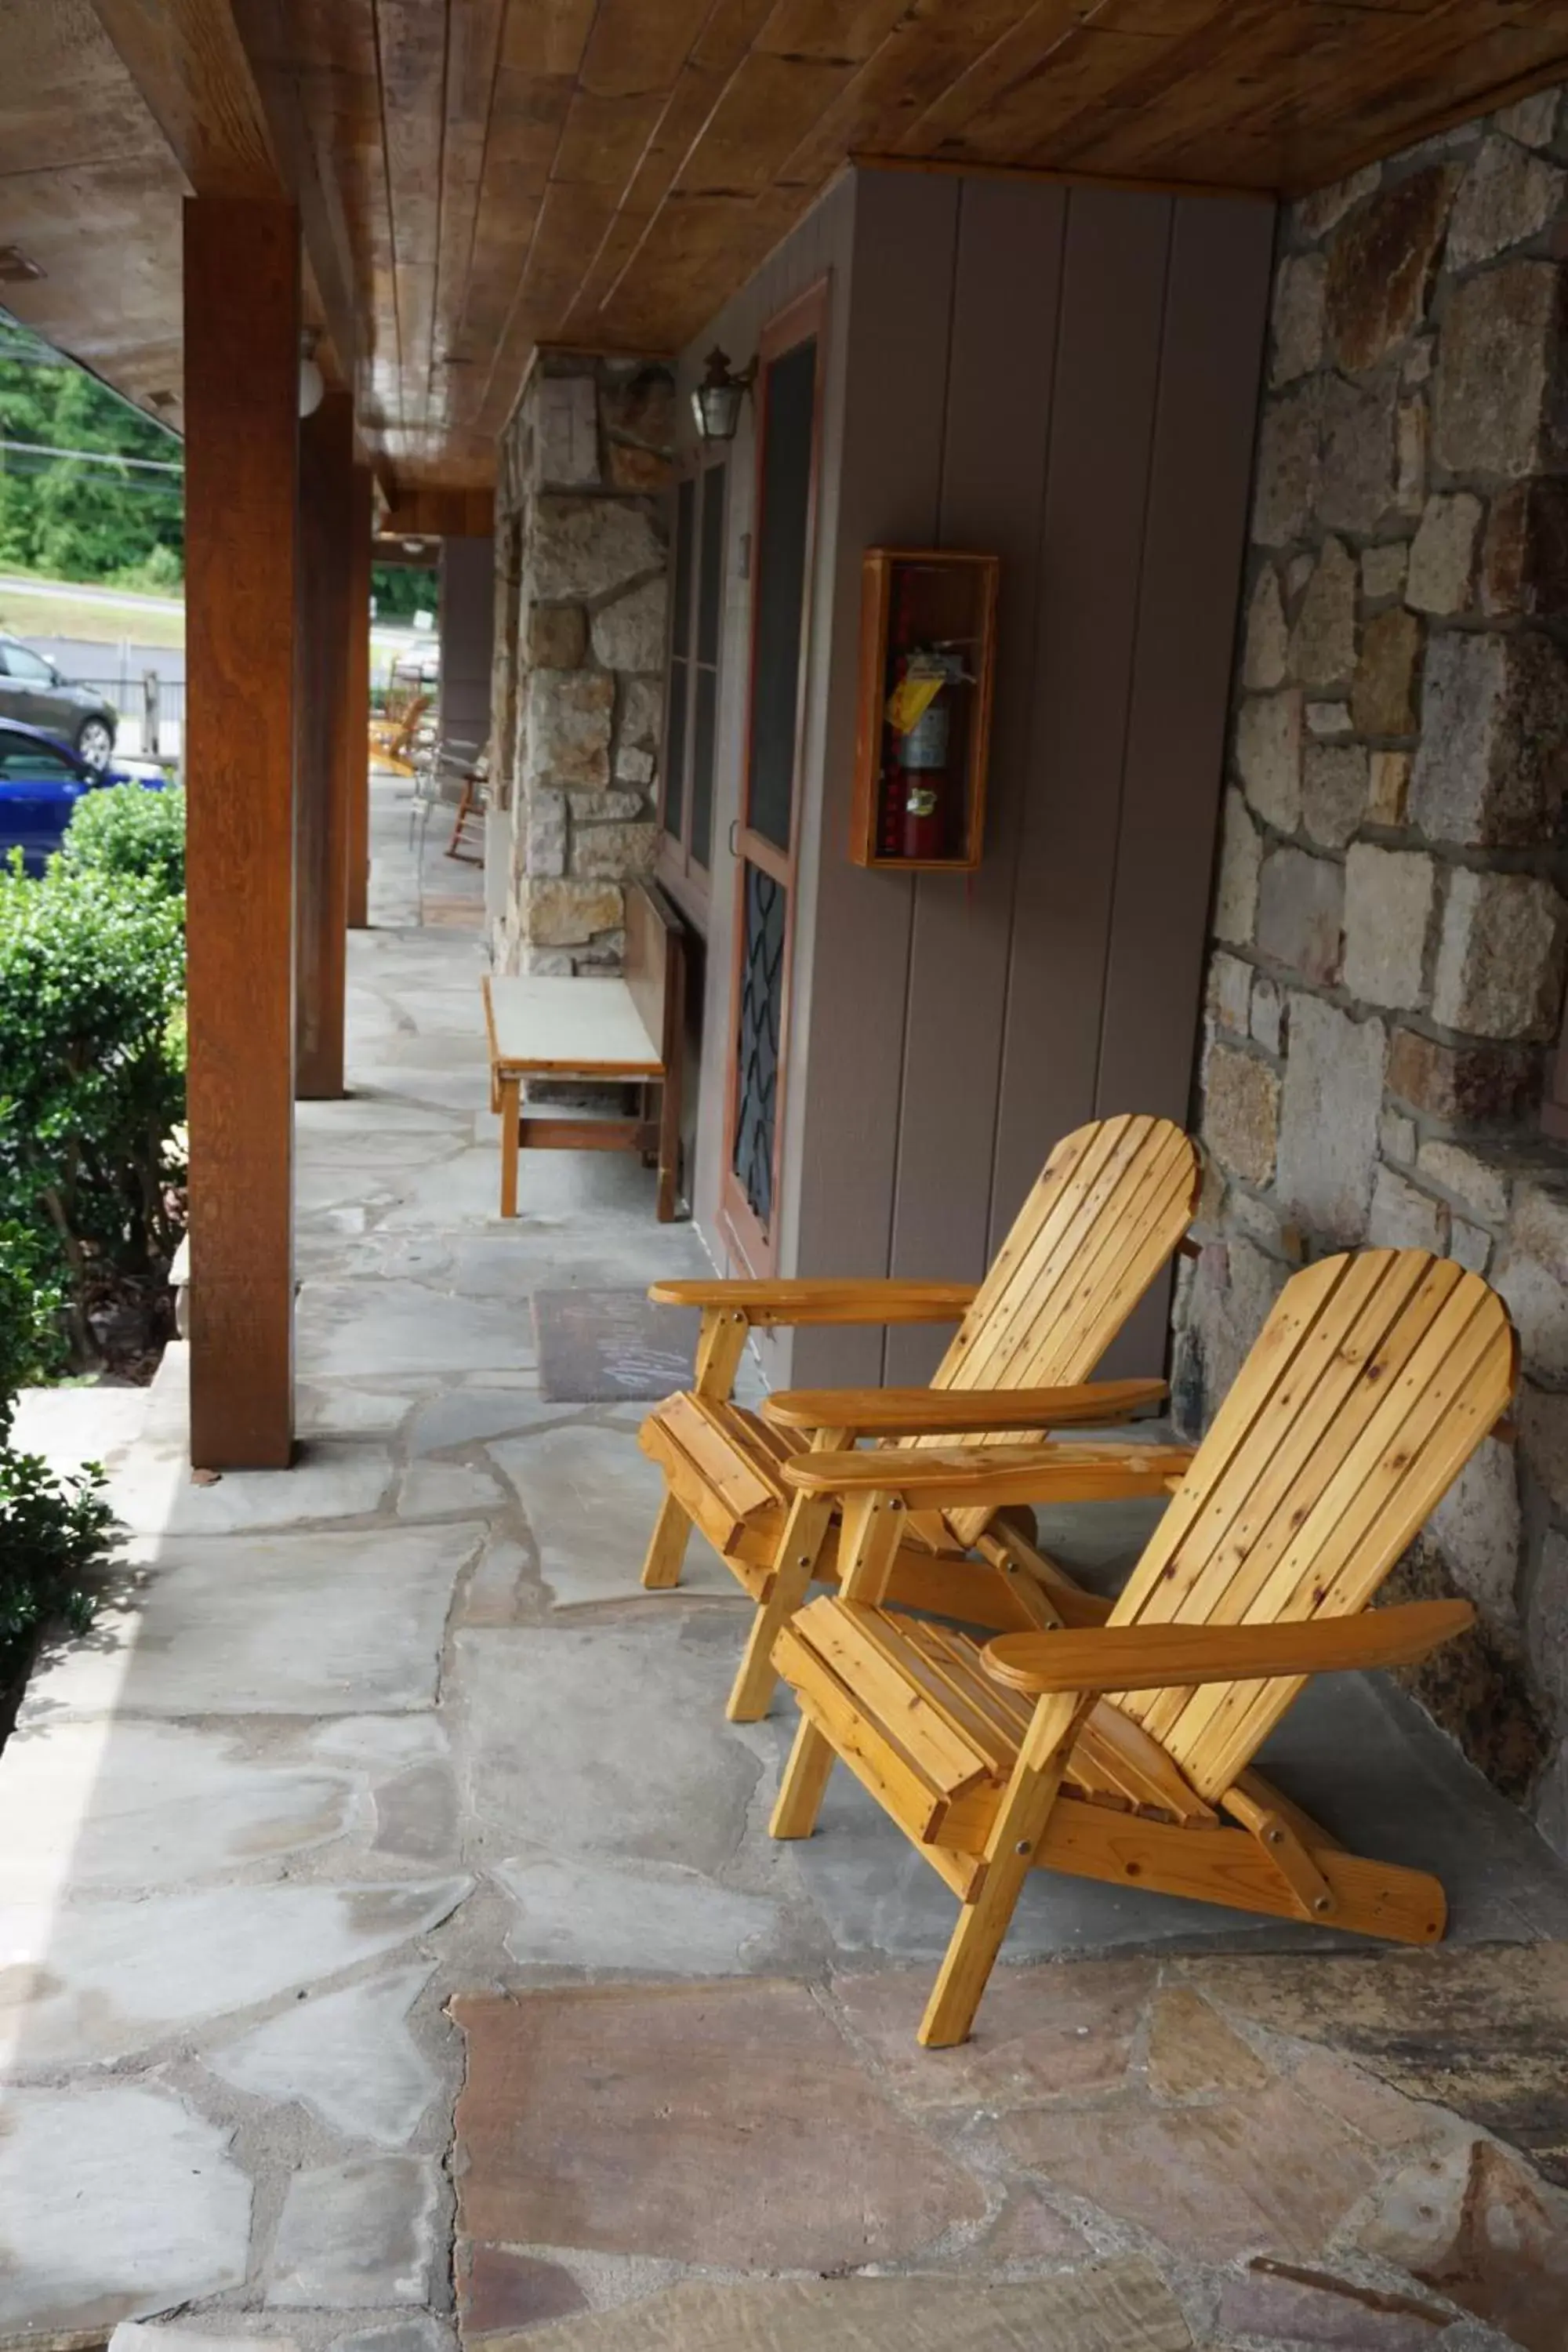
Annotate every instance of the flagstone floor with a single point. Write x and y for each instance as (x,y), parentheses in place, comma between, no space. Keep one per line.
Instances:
(390,1936)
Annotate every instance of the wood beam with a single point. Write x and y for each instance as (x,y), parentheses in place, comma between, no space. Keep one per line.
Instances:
(188,61)
(429,513)
(356,722)
(242,364)
(322,749)
(215,78)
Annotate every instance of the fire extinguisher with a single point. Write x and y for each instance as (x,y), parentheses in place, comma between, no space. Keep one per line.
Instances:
(922,728)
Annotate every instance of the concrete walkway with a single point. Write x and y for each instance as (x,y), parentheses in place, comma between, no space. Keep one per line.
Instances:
(388,1924)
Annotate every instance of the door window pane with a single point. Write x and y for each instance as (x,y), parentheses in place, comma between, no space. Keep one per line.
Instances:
(702,735)
(685,520)
(674,750)
(761,1017)
(789,403)
(711,570)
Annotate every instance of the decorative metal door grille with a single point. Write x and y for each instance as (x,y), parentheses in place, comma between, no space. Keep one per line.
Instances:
(762,1010)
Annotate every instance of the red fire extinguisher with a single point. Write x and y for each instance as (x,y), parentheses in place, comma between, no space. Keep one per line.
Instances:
(921,716)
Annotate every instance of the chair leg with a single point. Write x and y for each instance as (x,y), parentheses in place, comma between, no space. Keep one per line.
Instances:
(799,1550)
(804,1783)
(667,1548)
(1009,1856)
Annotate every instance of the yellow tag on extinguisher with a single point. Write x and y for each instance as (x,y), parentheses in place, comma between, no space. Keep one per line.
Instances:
(910,699)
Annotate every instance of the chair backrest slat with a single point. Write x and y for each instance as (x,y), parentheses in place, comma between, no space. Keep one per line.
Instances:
(1373,1382)
(1110,1206)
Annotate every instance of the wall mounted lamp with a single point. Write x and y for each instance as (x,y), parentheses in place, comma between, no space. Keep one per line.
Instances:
(716,401)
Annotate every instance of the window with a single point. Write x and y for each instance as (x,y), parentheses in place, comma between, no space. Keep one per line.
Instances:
(34,763)
(20,661)
(692,712)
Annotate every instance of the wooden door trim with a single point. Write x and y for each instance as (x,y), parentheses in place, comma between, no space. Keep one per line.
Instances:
(801,319)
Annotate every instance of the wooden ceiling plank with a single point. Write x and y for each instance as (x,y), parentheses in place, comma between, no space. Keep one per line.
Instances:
(1005,62)
(410,48)
(473,61)
(768,108)
(702,82)
(920,59)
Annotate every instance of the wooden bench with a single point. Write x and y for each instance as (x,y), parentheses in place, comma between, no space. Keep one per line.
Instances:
(631,1029)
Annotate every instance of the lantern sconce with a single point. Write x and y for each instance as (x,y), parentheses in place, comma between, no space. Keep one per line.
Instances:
(716,401)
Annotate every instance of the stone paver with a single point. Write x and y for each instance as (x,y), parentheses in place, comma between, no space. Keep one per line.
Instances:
(136,1805)
(278,1624)
(114,2200)
(716,2125)
(356,2233)
(1111,2307)
(399,1729)
(590,1515)
(348,2055)
(1260,2171)
(103,1979)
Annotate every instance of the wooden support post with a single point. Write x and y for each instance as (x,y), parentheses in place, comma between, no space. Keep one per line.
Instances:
(242,430)
(356,719)
(322,752)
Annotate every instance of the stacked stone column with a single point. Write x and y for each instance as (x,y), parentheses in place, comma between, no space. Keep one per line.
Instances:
(1387,978)
(578,688)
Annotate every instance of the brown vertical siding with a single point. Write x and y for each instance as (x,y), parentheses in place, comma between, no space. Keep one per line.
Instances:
(1006,294)
(1067,376)
(889,492)
(1217,293)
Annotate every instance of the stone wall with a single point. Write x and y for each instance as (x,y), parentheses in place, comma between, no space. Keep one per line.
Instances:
(577,690)
(1387,970)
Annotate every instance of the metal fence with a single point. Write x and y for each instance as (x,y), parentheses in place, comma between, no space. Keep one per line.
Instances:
(152,713)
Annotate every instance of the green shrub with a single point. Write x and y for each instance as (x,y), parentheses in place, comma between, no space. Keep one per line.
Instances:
(55,1532)
(54,1536)
(91,983)
(126,829)
(31,1338)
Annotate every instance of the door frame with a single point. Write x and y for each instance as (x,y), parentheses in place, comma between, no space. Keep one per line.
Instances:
(756,1247)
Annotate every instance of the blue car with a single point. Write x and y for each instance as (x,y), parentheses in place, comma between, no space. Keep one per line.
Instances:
(41,781)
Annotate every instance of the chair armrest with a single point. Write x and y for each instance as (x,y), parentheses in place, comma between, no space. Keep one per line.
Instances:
(991,1474)
(1180,1657)
(959,1412)
(808,1300)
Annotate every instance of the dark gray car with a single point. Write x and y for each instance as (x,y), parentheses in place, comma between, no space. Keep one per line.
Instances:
(32,690)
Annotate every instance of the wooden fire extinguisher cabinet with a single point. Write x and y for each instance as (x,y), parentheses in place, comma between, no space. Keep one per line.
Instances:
(928,630)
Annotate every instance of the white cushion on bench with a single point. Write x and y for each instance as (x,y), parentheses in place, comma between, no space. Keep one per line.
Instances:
(582,1028)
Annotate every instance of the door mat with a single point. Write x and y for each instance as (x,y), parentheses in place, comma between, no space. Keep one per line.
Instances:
(610,1347)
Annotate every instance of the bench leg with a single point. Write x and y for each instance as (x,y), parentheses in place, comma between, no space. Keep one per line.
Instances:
(667,1547)
(510,1092)
(668,1152)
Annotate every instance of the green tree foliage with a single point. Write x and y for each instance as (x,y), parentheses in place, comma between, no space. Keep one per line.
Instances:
(126,829)
(401,590)
(71,519)
(91,983)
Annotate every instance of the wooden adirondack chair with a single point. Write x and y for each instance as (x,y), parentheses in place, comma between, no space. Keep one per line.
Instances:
(1114,1749)
(1111,1204)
